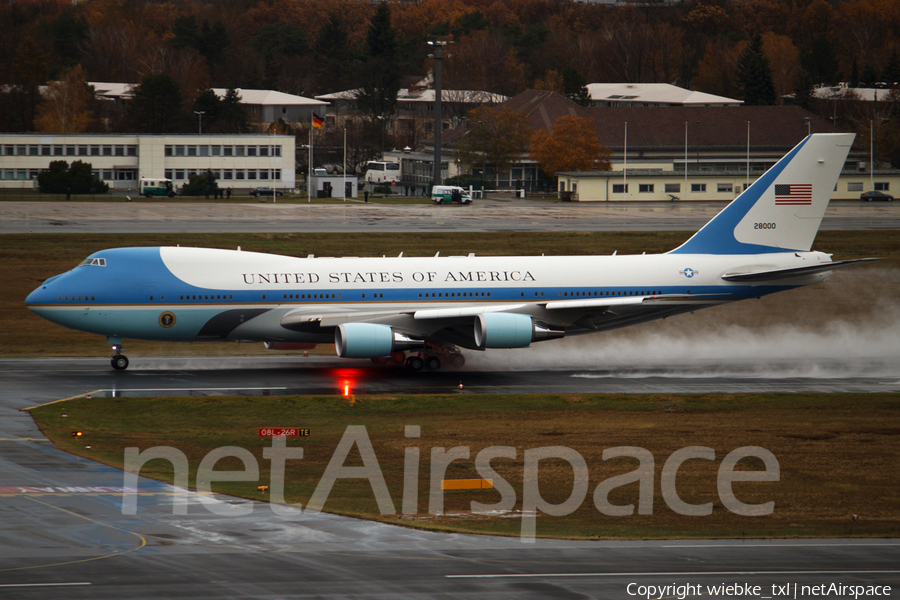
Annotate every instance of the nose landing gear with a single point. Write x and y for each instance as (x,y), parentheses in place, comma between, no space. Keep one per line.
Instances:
(117,360)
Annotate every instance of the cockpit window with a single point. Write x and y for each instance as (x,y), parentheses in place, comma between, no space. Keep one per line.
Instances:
(95,262)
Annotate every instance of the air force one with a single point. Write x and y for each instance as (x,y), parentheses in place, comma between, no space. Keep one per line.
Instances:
(421,311)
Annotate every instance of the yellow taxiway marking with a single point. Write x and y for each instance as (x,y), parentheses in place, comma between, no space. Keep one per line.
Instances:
(27,408)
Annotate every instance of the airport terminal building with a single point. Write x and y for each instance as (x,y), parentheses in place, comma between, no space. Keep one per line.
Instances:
(121,160)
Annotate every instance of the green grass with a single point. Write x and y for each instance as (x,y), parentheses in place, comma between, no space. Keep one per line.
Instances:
(835,459)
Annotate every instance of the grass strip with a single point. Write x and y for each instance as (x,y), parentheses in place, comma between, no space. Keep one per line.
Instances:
(837,454)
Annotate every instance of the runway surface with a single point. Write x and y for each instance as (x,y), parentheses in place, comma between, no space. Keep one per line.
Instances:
(40,380)
(65,534)
(487,215)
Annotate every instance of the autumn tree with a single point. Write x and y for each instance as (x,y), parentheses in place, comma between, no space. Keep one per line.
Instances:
(496,138)
(66,106)
(784,59)
(572,146)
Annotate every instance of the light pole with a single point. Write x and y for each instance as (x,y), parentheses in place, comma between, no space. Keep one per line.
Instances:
(199,114)
(483,152)
(438,121)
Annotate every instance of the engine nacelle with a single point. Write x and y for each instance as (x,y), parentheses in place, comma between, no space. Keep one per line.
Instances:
(371,340)
(510,330)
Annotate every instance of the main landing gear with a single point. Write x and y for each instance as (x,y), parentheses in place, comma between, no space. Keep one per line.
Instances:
(117,360)
(431,358)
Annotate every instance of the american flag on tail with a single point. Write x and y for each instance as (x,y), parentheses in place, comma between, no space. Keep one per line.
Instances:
(796,194)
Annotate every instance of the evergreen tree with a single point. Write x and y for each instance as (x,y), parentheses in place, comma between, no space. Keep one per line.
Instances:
(67,32)
(78,178)
(209,104)
(575,86)
(380,75)
(156,106)
(821,62)
(803,91)
(332,41)
(891,73)
(754,75)
(381,38)
(854,75)
(233,117)
(331,50)
(29,72)
(869,76)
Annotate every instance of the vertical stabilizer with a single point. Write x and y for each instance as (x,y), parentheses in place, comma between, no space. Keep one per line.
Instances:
(783,209)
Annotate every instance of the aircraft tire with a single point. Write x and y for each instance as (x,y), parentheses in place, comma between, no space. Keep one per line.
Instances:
(457,360)
(414,363)
(432,363)
(119,362)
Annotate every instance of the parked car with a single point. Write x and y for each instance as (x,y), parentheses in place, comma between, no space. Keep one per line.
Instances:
(870,196)
(265,191)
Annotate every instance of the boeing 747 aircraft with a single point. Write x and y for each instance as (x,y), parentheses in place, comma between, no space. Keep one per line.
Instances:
(421,311)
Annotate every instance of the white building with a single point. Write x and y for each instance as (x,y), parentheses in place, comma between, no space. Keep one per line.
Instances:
(264,106)
(652,94)
(646,185)
(237,161)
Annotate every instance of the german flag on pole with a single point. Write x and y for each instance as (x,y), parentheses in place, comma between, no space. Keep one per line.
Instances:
(316,121)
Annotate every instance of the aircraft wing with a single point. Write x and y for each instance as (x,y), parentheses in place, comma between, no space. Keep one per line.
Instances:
(453,324)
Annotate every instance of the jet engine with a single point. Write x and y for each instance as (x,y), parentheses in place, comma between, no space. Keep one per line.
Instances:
(371,340)
(510,330)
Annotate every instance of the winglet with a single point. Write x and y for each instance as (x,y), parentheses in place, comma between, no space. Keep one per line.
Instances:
(783,209)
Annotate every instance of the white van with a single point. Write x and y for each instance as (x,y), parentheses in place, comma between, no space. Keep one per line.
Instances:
(447,194)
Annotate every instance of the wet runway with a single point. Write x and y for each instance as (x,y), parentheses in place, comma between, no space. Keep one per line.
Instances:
(65,533)
(486,215)
(48,379)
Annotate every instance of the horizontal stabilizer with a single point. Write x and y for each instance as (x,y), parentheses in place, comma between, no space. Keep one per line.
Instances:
(795,272)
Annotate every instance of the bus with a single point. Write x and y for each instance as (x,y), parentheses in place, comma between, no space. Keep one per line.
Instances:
(153,186)
(382,172)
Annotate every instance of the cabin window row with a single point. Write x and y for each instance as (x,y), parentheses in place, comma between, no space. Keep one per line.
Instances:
(455,295)
(309,296)
(604,294)
(204,297)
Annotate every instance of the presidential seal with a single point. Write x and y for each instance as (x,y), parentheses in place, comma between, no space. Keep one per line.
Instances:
(167,319)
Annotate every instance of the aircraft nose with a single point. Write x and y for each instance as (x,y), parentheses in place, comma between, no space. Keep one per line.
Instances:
(38,296)
(41,295)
